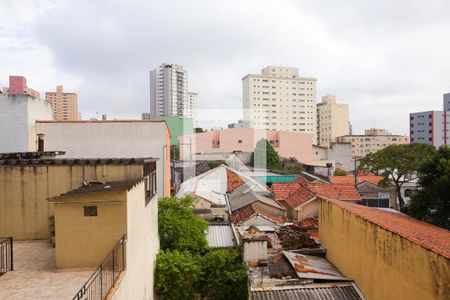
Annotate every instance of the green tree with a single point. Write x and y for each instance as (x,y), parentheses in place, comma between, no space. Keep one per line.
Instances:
(199,130)
(264,148)
(174,152)
(397,163)
(179,228)
(340,172)
(431,203)
(224,275)
(177,275)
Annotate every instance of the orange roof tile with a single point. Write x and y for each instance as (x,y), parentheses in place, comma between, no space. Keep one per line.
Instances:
(301,180)
(350,180)
(299,197)
(426,235)
(248,211)
(233,181)
(336,192)
(309,223)
(282,190)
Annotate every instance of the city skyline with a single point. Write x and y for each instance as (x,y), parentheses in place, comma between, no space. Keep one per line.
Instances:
(369,60)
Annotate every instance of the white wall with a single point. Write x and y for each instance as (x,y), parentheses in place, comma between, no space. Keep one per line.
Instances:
(341,153)
(142,247)
(17,122)
(109,140)
(254,250)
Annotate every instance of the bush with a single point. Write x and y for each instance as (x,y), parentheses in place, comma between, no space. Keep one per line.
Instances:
(224,275)
(177,275)
(179,228)
(340,172)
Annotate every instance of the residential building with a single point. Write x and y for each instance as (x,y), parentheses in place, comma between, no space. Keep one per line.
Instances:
(101,139)
(27,181)
(238,124)
(332,121)
(178,127)
(191,107)
(18,86)
(372,141)
(279,99)
(18,113)
(287,144)
(395,250)
(169,92)
(431,127)
(146,116)
(368,187)
(65,105)
(101,229)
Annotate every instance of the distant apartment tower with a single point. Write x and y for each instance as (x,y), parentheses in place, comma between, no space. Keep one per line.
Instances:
(332,121)
(431,127)
(65,105)
(18,86)
(372,141)
(169,91)
(279,99)
(190,109)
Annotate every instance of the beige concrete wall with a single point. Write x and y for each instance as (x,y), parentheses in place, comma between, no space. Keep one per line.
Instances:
(141,249)
(24,190)
(83,242)
(308,210)
(384,265)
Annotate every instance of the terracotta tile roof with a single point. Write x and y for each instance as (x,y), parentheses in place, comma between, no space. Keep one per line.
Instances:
(350,180)
(426,235)
(233,181)
(299,197)
(248,211)
(301,180)
(309,223)
(282,190)
(336,192)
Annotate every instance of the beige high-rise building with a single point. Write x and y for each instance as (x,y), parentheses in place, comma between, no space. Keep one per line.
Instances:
(279,99)
(332,121)
(371,141)
(65,105)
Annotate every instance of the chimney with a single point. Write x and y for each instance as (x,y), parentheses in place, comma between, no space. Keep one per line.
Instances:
(40,137)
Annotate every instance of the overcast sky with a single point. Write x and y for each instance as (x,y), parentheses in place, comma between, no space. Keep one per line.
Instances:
(385,58)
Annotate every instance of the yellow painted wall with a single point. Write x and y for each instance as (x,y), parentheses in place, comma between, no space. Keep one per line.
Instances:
(384,265)
(83,242)
(24,190)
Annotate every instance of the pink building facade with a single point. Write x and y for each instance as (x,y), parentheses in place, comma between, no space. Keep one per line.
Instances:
(287,144)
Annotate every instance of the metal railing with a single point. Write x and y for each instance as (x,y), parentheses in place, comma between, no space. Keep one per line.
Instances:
(6,255)
(104,277)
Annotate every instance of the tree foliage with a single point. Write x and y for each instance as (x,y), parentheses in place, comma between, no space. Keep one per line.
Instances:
(177,275)
(431,203)
(397,163)
(224,275)
(179,228)
(340,172)
(265,149)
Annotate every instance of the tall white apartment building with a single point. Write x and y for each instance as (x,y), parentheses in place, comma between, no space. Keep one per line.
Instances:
(279,99)
(332,121)
(168,91)
(190,107)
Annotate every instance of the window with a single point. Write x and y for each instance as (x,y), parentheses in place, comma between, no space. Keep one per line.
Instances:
(383,195)
(149,181)
(239,141)
(90,211)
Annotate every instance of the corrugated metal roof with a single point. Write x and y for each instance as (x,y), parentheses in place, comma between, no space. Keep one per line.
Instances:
(220,236)
(314,267)
(310,292)
(244,195)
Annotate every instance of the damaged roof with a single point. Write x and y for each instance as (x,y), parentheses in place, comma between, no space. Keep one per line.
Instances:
(249,211)
(99,187)
(313,267)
